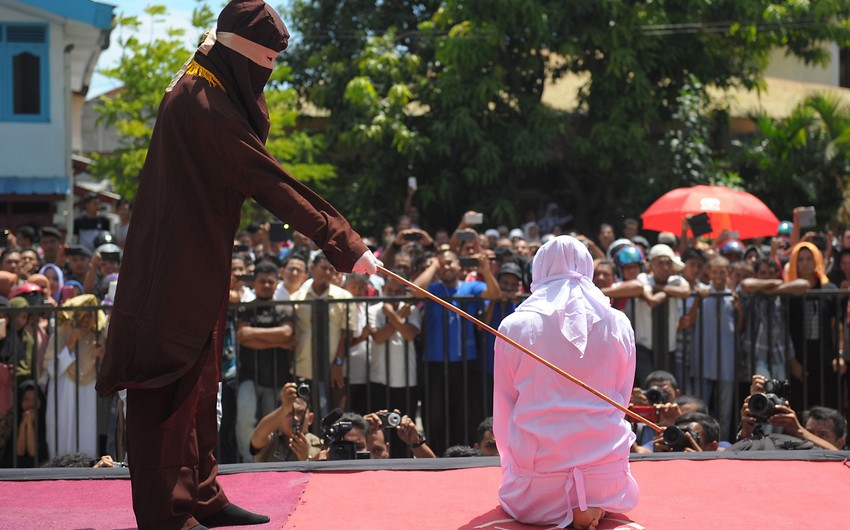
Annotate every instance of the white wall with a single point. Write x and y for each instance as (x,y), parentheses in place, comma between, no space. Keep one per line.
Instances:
(38,149)
(789,67)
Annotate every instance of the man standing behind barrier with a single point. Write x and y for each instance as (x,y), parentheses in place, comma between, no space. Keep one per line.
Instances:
(207,154)
(452,401)
(564,452)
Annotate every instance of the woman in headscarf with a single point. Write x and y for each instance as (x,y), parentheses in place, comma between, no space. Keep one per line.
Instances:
(564,452)
(71,361)
(57,280)
(816,368)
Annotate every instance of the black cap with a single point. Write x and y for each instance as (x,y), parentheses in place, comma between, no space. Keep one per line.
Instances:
(510,268)
(503,252)
(78,250)
(51,231)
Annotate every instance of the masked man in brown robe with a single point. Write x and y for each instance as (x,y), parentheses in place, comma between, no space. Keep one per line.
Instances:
(207,154)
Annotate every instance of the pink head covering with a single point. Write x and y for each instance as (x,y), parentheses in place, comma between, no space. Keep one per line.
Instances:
(563,289)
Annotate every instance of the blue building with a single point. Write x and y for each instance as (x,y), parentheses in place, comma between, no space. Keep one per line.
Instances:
(48,53)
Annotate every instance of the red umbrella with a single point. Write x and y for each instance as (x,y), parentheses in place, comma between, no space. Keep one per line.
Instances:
(728,209)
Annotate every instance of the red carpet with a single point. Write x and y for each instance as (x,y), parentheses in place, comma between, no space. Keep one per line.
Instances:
(686,494)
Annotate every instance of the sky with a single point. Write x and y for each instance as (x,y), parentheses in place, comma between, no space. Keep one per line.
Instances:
(179,16)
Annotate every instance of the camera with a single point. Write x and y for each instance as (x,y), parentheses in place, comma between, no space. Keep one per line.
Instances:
(390,420)
(677,440)
(775,386)
(338,447)
(655,395)
(302,388)
(334,429)
(763,404)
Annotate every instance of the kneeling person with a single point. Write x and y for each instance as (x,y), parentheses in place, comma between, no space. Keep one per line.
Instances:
(564,452)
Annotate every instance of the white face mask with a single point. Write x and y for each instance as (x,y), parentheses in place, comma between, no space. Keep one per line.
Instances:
(257,53)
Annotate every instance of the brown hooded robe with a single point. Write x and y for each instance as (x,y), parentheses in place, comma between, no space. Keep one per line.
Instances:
(206,155)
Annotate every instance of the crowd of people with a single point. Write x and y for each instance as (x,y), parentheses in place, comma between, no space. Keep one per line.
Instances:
(714,322)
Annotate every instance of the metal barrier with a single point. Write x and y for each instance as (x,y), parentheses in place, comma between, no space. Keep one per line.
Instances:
(444,379)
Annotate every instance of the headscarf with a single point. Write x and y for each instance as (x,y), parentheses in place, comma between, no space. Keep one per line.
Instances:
(78,285)
(63,317)
(8,280)
(792,262)
(242,78)
(66,321)
(563,289)
(60,279)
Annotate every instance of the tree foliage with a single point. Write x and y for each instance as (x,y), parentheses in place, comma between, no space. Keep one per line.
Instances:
(452,92)
(472,74)
(803,159)
(144,70)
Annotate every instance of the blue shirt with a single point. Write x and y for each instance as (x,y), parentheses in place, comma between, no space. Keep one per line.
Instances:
(718,359)
(436,320)
(500,311)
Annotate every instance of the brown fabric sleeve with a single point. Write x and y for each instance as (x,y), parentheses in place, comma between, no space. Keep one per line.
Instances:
(257,174)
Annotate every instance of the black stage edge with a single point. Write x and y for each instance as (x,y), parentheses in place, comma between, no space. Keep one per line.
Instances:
(423,464)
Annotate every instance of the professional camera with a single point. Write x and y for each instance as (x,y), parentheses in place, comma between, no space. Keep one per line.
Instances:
(677,440)
(655,395)
(302,388)
(334,430)
(775,386)
(390,420)
(763,404)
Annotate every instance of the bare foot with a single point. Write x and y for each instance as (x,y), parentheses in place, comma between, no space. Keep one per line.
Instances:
(587,520)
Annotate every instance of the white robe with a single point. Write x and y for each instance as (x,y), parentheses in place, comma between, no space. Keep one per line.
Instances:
(561,447)
(62,415)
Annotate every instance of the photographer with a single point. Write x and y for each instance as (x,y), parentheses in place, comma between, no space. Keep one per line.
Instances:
(351,429)
(659,390)
(784,416)
(283,434)
(405,430)
(701,433)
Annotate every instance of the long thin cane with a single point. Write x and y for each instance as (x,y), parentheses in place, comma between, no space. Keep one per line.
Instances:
(635,416)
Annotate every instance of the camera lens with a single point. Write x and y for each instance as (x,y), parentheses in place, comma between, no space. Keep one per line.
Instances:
(303,389)
(759,405)
(393,419)
(673,436)
(655,395)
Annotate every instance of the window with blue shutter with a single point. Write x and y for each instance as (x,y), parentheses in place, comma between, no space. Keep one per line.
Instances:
(24,74)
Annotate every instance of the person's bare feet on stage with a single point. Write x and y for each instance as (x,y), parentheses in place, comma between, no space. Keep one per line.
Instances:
(588,519)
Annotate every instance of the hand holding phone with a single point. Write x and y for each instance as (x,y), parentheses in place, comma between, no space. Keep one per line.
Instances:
(806,216)
(473,218)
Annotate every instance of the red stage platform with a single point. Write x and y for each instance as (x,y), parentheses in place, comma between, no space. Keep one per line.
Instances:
(747,490)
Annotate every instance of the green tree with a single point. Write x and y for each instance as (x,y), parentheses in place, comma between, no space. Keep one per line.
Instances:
(483,137)
(803,159)
(144,71)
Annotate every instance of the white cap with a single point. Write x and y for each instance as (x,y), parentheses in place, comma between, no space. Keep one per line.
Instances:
(516,232)
(664,251)
(492,232)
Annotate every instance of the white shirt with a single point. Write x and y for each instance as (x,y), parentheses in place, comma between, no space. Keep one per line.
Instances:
(396,353)
(643,313)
